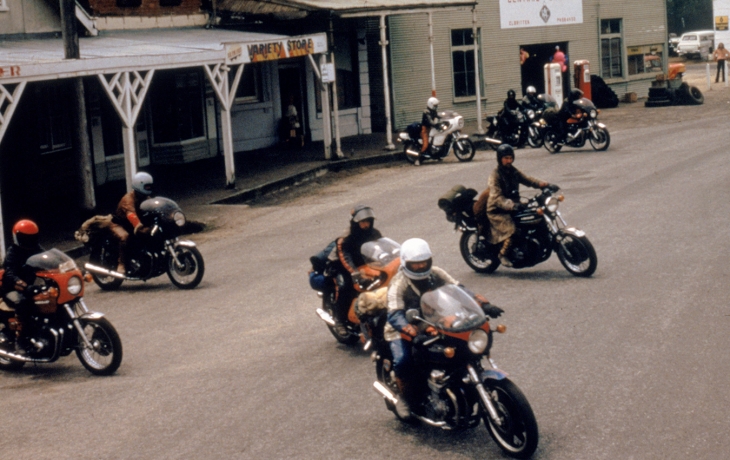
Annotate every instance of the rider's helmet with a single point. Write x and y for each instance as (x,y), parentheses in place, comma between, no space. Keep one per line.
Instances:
(25,233)
(412,252)
(531,91)
(142,183)
(432,103)
(575,94)
(511,94)
(504,150)
(361,212)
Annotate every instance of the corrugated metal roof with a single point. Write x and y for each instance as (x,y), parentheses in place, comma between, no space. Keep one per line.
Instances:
(341,7)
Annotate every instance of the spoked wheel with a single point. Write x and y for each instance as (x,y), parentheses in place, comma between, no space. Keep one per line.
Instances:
(551,141)
(105,354)
(478,254)
(410,158)
(188,270)
(464,150)
(516,434)
(600,139)
(577,255)
(102,256)
(535,141)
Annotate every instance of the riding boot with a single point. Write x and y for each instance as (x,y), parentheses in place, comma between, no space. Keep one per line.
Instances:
(503,252)
(403,407)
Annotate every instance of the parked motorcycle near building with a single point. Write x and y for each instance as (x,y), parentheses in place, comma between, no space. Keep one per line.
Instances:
(148,256)
(584,127)
(443,138)
(541,230)
(60,322)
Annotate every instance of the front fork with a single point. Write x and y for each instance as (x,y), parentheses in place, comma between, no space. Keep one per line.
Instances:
(75,319)
(484,395)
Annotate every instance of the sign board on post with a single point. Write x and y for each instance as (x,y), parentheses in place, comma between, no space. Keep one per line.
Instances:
(532,13)
(721,23)
(328,72)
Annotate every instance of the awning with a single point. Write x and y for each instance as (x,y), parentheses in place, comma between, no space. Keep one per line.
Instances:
(344,8)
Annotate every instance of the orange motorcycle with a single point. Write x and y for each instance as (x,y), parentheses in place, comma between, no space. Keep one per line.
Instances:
(60,321)
(382,260)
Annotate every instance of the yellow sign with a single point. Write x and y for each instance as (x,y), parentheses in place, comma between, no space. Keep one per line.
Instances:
(721,23)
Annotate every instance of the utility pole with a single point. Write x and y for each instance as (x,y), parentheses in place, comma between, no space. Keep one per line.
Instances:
(78,108)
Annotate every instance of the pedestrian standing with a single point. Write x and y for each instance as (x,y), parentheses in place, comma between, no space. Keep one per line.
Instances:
(721,54)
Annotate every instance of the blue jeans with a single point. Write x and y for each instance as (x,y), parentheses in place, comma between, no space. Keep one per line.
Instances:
(401,351)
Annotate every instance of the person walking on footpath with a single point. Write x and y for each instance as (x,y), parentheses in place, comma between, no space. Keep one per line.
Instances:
(721,54)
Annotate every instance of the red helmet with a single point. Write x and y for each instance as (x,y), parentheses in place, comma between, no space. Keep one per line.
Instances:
(25,233)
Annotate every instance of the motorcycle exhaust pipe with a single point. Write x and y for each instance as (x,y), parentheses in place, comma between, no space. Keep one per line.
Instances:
(103,271)
(14,357)
(413,153)
(489,140)
(326,317)
(385,392)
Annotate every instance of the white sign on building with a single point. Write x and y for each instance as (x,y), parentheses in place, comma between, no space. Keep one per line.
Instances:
(537,13)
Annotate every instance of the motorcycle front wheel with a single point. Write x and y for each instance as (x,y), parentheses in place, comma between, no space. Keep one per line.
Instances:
(479,255)
(535,140)
(189,272)
(105,354)
(103,257)
(577,255)
(600,139)
(517,433)
(464,150)
(551,141)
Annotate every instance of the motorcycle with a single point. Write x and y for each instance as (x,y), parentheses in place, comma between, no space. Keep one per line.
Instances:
(584,126)
(457,384)
(508,127)
(60,320)
(535,129)
(541,230)
(444,137)
(382,260)
(148,256)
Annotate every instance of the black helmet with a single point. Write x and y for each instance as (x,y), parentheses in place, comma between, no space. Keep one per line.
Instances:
(504,150)
(575,94)
(511,94)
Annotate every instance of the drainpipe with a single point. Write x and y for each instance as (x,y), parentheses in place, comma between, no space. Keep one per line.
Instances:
(430,43)
(386,86)
(477,70)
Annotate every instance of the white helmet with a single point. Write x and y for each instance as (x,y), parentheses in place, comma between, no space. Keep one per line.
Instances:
(531,90)
(432,103)
(415,250)
(142,183)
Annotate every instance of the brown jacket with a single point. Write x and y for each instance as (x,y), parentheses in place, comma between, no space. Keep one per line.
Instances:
(499,206)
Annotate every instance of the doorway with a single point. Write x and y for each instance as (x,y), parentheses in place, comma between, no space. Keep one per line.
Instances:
(291,93)
(533,68)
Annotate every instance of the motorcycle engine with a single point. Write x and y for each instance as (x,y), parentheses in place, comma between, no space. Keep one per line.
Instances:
(438,405)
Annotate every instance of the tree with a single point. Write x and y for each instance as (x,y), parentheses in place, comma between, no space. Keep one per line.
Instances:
(686,15)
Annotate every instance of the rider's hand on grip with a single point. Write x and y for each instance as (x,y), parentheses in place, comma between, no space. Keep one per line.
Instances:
(430,330)
(492,311)
(410,330)
(553,187)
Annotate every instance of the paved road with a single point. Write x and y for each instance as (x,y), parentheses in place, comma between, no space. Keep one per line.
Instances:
(628,364)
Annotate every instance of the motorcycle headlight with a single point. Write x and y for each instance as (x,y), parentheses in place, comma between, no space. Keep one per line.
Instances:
(552,204)
(74,285)
(594,114)
(478,341)
(404,136)
(530,114)
(461,123)
(179,218)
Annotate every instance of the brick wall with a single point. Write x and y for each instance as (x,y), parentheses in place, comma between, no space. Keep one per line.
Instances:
(146,7)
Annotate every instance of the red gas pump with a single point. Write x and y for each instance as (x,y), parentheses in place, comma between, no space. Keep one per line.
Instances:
(582,77)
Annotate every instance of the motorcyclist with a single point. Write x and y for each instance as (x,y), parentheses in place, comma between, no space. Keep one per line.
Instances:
(530,101)
(362,229)
(510,106)
(429,120)
(17,280)
(568,110)
(125,220)
(416,276)
(504,197)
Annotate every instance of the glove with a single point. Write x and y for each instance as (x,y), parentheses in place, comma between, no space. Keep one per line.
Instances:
(492,311)
(140,229)
(481,299)
(553,187)
(430,330)
(410,330)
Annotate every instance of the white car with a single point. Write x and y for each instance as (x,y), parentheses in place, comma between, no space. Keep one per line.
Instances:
(698,45)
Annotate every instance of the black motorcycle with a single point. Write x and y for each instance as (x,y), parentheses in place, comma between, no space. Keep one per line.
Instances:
(534,113)
(148,256)
(456,383)
(584,127)
(540,231)
(508,127)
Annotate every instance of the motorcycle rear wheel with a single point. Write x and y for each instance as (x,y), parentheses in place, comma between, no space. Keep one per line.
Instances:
(409,158)
(550,141)
(105,356)
(603,141)
(517,436)
(577,255)
(464,150)
(106,259)
(189,273)
(485,262)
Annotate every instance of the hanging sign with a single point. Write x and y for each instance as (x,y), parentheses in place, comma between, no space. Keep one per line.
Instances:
(272,50)
(538,13)
(720,22)
(328,72)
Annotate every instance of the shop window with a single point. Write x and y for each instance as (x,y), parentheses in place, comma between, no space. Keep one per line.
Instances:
(250,88)
(170,2)
(129,3)
(54,131)
(611,56)
(177,106)
(462,61)
(645,59)
(347,74)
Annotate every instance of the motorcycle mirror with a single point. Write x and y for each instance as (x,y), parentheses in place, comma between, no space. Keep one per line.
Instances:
(412,315)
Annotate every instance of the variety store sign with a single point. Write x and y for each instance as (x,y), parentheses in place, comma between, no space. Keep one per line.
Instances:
(244,53)
(537,13)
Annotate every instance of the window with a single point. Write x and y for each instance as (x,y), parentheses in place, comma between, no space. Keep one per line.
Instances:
(177,106)
(347,74)
(249,88)
(128,3)
(645,59)
(170,2)
(54,131)
(611,48)
(462,60)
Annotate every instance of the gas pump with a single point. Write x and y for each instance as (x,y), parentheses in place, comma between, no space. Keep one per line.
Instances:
(582,77)
(554,82)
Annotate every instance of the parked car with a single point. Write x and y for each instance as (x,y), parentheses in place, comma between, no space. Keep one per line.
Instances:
(697,45)
(673,43)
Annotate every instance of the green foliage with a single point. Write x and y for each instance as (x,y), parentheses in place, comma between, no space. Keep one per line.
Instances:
(687,15)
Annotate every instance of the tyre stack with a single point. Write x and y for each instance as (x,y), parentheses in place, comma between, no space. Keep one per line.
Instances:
(659,95)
